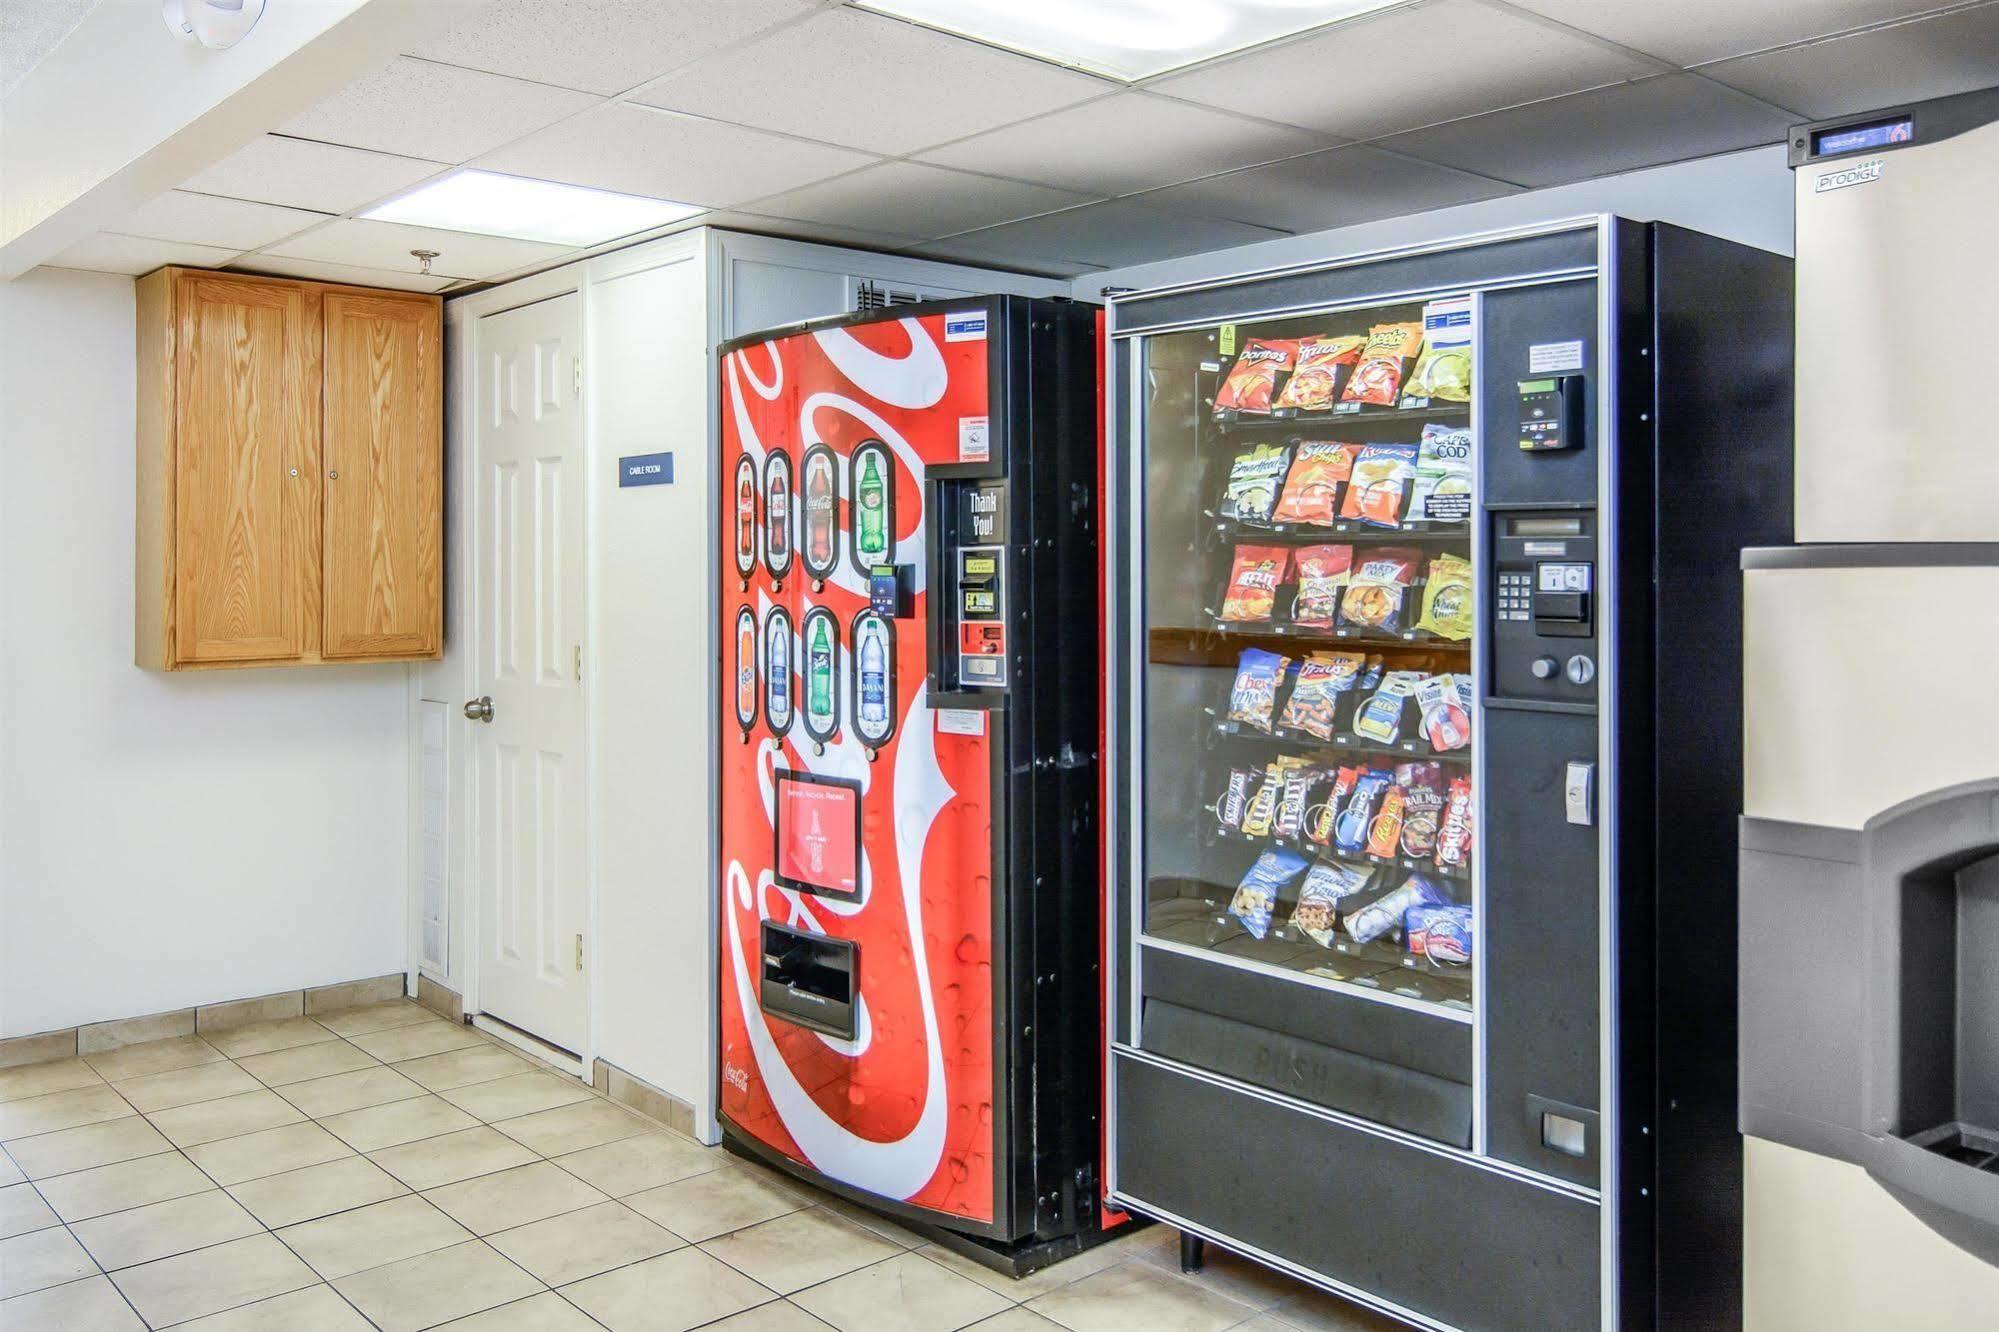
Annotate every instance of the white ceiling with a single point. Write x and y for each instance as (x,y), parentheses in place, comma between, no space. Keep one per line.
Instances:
(30,29)
(816,119)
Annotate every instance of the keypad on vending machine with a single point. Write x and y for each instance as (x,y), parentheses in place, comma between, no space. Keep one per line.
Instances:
(1516,591)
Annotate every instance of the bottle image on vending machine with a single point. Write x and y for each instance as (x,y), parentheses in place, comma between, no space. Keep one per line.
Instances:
(746,516)
(820,517)
(746,668)
(819,673)
(871,538)
(873,703)
(777,667)
(777,513)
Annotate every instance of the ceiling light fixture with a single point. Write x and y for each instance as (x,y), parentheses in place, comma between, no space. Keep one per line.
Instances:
(1126,39)
(490,204)
(216,24)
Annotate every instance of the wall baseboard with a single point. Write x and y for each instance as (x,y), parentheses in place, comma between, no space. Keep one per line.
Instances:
(97,1037)
(439,1000)
(645,1098)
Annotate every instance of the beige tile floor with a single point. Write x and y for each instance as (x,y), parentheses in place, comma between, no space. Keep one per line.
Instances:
(383,1168)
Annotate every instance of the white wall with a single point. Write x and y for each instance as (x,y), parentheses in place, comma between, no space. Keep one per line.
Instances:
(1745,196)
(165,840)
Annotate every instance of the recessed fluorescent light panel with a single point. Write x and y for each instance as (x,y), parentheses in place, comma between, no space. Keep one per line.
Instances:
(490,204)
(1126,39)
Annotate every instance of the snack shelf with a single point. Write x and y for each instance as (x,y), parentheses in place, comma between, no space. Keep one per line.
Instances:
(1256,423)
(1305,846)
(1346,530)
(1400,981)
(1342,741)
(1313,633)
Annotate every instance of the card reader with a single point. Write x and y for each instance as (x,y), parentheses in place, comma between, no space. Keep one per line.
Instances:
(1551,413)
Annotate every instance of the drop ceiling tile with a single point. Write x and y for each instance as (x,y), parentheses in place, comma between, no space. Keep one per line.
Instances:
(109,252)
(1112,234)
(667,156)
(30,31)
(422,109)
(1688,32)
(917,202)
(1597,133)
(1406,67)
(859,79)
(302,174)
(1933,57)
(345,273)
(212,219)
(1331,189)
(460,254)
(603,46)
(1132,141)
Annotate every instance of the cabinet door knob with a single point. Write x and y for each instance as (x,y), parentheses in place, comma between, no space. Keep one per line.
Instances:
(333,476)
(480,709)
(294,471)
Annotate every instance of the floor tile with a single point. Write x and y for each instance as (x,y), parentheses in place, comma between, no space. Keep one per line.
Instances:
(670,1293)
(320,1097)
(396,1044)
(1087,1263)
(375,1017)
(55,1111)
(82,1148)
(136,1061)
(99,1036)
(9,1172)
(900,1236)
(434,1162)
(1138,1295)
(572,1128)
(17,1084)
(715,1203)
(396,1123)
(546,1312)
(436,1287)
(584,1243)
(801,1250)
(905,1294)
(1311,1310)
(255,1038)
(319,1060)
(113,1188)
(22,1211)
(1015,1320)
(383,1232)
(162,1229)
(316,1191)
(41,1258)
(185,1086)
(230,1117)
(78,1306)
(631,1165)
(461,1068)
(521,1094)
(222,1276)
(1240,1279)
(513,1197)
(777,1316)
(313,1309)
(271,1152)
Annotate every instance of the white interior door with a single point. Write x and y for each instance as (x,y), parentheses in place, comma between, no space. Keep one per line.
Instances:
(529,589)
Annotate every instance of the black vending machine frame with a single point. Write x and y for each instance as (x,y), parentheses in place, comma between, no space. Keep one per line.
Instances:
(1043,419)
(1686,434)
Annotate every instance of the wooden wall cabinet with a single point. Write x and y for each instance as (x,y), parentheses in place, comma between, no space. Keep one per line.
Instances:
(291,473)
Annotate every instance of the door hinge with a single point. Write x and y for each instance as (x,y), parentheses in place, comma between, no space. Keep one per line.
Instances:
(578,380)
(579,952)
(579,663)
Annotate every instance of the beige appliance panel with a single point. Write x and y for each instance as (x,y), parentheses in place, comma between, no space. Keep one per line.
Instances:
(1897,295)
(1865,687)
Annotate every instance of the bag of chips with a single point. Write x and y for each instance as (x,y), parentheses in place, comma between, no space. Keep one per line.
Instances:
(1314,702)
(1441,935)
(1252,380)
(1380,717)
(1319,467)
(1383,362)
(1380,482)
(1447,599)
(1443,373)
(1442,493)
(1323,366)
(1257,893)
(1319,898)
(1254,479)
(1253,582)
(1378,587)
(1446,713)
(1253,701)
(1322,576)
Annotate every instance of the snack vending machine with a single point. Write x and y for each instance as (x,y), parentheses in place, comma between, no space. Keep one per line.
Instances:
(1425,621)
(909,907)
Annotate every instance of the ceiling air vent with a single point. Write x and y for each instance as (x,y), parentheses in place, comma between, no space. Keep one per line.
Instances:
(874,296)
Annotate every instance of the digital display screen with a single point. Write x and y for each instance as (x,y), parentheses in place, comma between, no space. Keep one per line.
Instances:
(1860,138)
(1544,527)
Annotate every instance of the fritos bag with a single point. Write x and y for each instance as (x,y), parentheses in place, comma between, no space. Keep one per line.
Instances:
(1378,377)
(1252,381)
(1323,366)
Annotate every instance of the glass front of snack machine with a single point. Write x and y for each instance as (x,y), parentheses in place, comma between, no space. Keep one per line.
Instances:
(1306,511)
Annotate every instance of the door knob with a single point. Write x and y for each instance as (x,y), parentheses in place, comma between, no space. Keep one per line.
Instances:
(480,709)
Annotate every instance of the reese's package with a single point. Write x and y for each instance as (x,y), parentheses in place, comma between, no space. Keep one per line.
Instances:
(1442,492)
(1447,599)
(1322,367)
(1378,589)
(1252,381)
(1254,479)
(1253,701)
(1322,576)
(1257,894)
(1253,582)
(1319,467)
(1379,484)
(1383,362)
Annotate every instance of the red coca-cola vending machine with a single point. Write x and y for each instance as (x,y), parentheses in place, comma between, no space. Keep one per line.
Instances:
(908,789)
